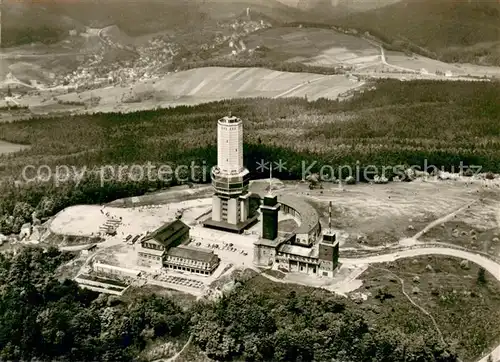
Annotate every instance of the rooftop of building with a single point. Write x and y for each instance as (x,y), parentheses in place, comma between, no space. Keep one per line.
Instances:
(238,228)
(192,253)
(276,242)
(329,236)
(156,252)
(229,120)
(299,250)
(164,233)
(116,268)
(309,217)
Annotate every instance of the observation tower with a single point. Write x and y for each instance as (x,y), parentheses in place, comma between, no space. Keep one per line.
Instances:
(230,179)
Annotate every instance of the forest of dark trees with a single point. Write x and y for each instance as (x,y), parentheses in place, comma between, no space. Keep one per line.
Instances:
(397,123)
(44,319)
(258,59)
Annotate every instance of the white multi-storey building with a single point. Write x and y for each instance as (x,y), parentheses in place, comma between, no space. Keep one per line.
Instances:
(230,178)
(230,145)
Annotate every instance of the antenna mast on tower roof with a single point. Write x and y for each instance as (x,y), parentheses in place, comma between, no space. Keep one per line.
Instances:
(270,179)
(330,217)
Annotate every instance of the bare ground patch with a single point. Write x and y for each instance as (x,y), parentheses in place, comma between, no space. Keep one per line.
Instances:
(383,214)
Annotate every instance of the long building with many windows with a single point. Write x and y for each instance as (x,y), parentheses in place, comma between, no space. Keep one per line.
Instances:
(193,260)
(163,249)
(153,246)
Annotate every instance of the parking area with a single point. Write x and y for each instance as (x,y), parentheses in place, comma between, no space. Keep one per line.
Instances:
(231,248)
(173,280)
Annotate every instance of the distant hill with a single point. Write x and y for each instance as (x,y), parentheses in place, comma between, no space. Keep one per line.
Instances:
(24,23)
(364,5)
(27,21)
(450,30)
(337,7)
(271,9)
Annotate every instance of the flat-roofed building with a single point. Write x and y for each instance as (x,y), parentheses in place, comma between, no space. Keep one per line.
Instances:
(309,228)
(328,253)
(264,251)
(296,258)
(113,270)
(192,260)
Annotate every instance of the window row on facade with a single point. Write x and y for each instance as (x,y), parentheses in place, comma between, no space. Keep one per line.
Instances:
(297,257)
(188,269)
(153,246)
(149,256)
(188,262)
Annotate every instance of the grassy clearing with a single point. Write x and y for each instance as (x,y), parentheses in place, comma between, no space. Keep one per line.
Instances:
(465,311)
(275,273)
(475,228)
(7,147)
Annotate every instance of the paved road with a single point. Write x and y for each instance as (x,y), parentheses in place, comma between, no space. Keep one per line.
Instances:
(297,87)
(482,261)
(384,61)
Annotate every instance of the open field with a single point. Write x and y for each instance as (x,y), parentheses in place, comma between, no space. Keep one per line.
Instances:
(197,86)
(85,220)
(7,147)
(210,84)
(200,85)
(419,62)
(303,49)
(377,215)
(476,227)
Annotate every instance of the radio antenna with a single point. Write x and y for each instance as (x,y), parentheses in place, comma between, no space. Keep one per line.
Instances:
(330,217)
(270,179)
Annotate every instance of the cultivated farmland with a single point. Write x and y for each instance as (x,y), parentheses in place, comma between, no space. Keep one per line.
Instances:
(193,87)
(314,46)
